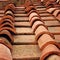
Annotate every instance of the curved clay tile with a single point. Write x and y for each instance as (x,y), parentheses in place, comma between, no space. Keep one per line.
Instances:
(28,9)
(6,43)
(12,31)
(44,32)
(45,40)
(7,35)
(9,13)
(35,24)
(36,27)
(28,3)
(56,12)
(6,20)
(40,29)
(32,15)
(51,10)
(42,25)
(35,19)
(50,2)
(7,25)
(10,7)
(8,17)
(32,11)
(49,50)
(5,53)
(53,57)
(57,5)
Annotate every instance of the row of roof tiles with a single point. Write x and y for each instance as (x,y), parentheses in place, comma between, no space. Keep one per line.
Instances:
(45,39)
(7,30)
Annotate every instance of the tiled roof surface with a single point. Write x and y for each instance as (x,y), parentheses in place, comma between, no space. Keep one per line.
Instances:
(32,30)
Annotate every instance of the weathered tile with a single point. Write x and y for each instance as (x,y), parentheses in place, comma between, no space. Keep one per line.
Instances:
(48,18)
(23,30)
(54,30)
(22,24)
(52,23)
(21,19)
(27,39)
(26,52)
